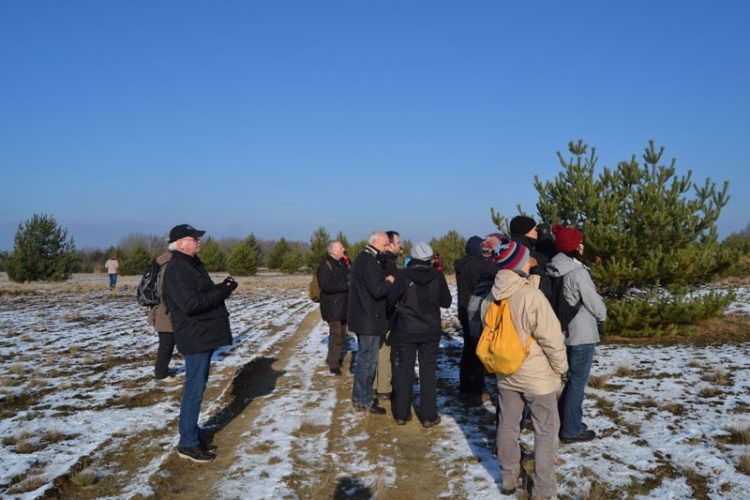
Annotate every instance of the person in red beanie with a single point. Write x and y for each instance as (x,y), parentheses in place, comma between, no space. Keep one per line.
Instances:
(582,333)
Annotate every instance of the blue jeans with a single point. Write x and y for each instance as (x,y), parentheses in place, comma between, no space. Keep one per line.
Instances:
(196,375)
(580,358)
(367,362)
(112,280)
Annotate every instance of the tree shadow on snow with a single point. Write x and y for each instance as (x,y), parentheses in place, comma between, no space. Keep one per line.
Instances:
(253,380)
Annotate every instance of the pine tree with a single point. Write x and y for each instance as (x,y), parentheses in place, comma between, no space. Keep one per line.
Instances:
(292,260)
(341,237)
(318,248)
(135,261)
(643,232)
(450,246)
(212,256)
(243,261)
(277,254)
(42,251)
(356,248)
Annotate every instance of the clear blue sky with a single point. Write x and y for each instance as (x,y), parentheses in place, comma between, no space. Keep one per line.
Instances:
(278,117)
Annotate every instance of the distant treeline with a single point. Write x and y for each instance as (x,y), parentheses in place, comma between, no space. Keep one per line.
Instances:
(244,256)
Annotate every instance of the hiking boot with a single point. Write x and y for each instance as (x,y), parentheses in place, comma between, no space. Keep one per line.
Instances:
(586,435)
(402,421)
(383,396)
(375,408)
(169,379)
(372,408)
(509,486)
(196,454)
(336,371)
(431,423)
(207,446)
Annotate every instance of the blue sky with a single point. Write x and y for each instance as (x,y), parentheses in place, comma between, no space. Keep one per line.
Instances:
(278,117)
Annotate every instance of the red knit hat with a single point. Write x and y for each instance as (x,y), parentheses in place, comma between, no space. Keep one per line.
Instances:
(567,239)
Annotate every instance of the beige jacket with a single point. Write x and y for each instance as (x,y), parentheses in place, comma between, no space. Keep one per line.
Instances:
(530,311)
(159,316)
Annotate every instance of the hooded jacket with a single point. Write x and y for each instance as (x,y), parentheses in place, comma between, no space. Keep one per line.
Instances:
(422,291)
(196,305)
(158,316)
(578,285)
(368,292)
(531,313)
(333,278)
(468,271)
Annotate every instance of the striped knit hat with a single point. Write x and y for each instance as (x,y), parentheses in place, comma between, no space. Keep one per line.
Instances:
(511,255)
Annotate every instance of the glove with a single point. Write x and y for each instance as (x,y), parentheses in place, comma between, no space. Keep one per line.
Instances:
(228,286)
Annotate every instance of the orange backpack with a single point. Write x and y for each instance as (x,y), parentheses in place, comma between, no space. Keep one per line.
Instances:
(499,349)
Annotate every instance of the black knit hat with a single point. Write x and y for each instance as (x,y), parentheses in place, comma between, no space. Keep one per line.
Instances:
(520,225)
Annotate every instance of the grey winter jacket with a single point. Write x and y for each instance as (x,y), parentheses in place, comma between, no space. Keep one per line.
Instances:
(577,284)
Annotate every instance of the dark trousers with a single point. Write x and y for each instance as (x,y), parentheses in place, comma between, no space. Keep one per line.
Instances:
(336,337)
(407,356)
(471,371)
(164,354)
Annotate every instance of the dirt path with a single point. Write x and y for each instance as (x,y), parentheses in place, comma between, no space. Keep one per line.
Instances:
(353,456)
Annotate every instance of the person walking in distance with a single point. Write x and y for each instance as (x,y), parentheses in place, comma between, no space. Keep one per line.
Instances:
(112,266)
(368,291)
(201,324)
(333,278)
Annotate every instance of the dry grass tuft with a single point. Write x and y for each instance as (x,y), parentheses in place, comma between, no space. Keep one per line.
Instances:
(624,371)
(598,382)
(718,377)
(310,428)
(739,435)
(28,484)
(24,445)
(744,464)
(54,435)
(8,440)
(17,369)
(649,402)
(674,408)
(709,392)
(84,478)
(696,363)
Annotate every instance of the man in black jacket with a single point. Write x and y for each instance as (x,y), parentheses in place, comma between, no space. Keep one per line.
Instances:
(333,278)
(368,290)
(201,324)
(387,352)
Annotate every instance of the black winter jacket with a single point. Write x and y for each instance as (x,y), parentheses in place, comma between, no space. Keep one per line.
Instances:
(333,278)
(368,292)
(196,305)
(389,262)
(422,291)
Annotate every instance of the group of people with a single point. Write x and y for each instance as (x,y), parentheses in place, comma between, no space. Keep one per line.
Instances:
(395,315)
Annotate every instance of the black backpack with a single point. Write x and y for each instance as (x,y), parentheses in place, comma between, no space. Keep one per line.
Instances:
(148,293)
(564,311)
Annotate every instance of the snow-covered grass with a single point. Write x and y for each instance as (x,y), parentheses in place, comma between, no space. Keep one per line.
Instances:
(76,382)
